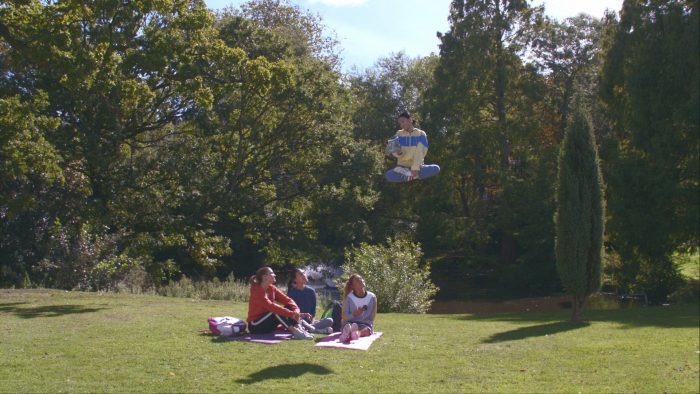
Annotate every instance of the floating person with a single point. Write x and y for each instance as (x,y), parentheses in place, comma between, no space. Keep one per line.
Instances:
(409,145)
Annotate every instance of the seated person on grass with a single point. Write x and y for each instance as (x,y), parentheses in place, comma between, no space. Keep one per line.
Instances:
(359,310)
(305,297)
(264,313)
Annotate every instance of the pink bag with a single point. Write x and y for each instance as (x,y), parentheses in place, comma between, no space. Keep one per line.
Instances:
(226,326)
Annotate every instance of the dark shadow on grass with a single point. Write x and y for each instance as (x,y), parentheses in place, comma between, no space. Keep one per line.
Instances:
(214,338)
(45,311)
(674,316)
(9,306)
(539,330)
(285,371)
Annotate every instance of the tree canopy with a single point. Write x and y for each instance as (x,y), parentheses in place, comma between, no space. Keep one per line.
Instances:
(168,139)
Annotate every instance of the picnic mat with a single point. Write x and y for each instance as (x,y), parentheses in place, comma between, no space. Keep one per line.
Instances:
(359,344)
(276,336)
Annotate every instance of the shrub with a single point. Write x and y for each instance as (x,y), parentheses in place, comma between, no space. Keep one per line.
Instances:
(323,300)
(393,273)
(229,289)
(689,293)
(86,257)
(135,281)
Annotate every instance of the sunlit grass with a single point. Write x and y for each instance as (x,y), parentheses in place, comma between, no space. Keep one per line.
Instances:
(52,341)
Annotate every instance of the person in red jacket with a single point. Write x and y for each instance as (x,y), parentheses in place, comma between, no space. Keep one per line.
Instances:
(268,307)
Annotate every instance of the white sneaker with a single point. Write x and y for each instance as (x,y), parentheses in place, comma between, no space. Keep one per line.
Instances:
(406,173)
(354,332)
(301,334)
(327,330)
(345,334)
(403,171)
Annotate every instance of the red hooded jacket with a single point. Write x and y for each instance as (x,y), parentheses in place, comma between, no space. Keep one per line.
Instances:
(262,302)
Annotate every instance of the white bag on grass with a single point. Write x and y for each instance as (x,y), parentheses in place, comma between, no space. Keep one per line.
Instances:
(226,326)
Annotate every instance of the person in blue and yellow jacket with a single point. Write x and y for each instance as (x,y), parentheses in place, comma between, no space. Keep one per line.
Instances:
(410,147)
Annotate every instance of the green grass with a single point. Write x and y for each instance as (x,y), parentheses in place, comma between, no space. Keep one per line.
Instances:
(53,341)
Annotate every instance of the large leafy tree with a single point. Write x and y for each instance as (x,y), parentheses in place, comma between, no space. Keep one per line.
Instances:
(113,74)
(396,83)
(565,57)
(182,137)
(567,53)
(650,82)
(29,170)
(487,110)
(479,59)
(301,34)
(300,186)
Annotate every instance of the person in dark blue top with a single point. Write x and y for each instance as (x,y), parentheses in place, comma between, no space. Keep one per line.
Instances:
(305,297)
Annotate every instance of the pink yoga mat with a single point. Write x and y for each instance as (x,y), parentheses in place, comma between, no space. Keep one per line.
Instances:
(268,339)
(359,344)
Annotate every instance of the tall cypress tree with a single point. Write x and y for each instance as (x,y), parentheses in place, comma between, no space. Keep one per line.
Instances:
(580,212)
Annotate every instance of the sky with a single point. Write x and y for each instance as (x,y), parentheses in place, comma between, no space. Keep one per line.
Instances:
(373,29)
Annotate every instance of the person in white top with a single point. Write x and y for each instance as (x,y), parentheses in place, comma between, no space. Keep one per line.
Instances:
(359,310)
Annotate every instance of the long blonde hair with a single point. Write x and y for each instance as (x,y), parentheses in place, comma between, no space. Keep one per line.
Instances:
(257,277)
(348,284)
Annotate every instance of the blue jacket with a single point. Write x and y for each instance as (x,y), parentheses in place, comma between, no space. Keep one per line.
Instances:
(305,299)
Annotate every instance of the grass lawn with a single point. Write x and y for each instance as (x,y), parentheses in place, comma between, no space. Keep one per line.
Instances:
(54,341)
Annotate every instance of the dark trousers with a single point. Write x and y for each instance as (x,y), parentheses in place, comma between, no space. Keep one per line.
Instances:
(268,323)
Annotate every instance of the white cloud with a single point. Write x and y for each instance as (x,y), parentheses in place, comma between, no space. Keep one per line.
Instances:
(339,3)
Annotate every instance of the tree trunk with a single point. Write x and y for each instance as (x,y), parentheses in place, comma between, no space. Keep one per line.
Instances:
(463,197)
(507,252)
(577,307)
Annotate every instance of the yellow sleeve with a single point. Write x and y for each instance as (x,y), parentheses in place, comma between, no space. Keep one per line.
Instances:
(420,152)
